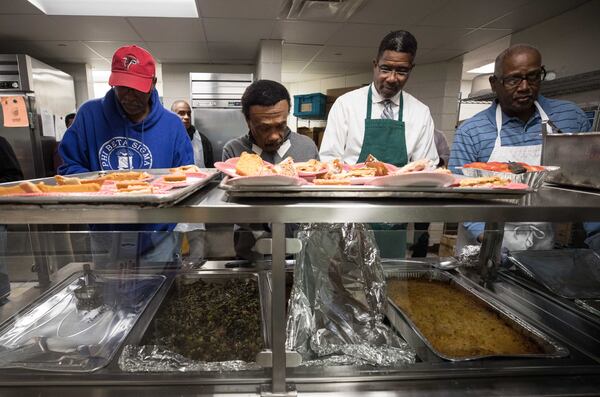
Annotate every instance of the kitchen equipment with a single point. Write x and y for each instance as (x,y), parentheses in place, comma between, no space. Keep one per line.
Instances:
(49,95)
(216,100)
(577,154)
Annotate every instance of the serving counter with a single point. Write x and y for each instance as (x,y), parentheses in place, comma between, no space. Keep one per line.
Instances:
(577,330)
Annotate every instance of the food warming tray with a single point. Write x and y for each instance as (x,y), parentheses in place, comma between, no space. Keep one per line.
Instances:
(172,196)
(52,334)
(407,328)
(368,191)
(569,273)
(145,331)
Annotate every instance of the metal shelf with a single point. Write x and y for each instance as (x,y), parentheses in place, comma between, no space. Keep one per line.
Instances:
(553,88)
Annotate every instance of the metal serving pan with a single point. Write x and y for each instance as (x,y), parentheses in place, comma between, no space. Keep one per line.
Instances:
(402,322)
(576,154)
(53,334)
(569,273)
(364,191)
(212,277)
(170,197)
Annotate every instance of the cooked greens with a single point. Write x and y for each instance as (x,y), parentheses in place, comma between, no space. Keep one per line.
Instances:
(213,320)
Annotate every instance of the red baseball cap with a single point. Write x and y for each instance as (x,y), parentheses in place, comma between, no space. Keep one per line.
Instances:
(132,67)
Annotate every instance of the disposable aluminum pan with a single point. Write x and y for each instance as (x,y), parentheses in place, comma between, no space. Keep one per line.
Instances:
(551,349)
(533,179)
(214,277)
(55,333)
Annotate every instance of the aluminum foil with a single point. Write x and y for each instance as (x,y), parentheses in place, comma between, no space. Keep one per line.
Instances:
(153,358)
(363,354)
(469,255)
(338,299)
(533,179)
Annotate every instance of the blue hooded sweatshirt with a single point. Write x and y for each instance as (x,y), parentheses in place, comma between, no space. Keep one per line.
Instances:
(103,138)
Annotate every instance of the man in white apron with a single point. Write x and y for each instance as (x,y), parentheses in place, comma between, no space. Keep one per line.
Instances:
(510,130)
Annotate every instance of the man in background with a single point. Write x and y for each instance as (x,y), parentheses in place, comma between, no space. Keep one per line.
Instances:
(10,171)
(203,152)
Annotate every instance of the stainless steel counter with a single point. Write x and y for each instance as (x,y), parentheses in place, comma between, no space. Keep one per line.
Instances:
(212,205)
(579,374)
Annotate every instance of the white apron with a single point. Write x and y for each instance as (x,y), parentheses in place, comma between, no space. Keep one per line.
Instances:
(517,236)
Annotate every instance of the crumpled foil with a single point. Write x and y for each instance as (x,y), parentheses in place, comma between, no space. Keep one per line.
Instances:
(152,358)
(469,255)
(338,299)
(364,354)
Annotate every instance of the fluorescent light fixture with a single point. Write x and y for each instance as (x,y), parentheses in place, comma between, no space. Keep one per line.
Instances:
(489,68)
(119,8)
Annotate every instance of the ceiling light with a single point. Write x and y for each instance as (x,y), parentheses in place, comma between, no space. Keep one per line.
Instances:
(119,8)
(489,68)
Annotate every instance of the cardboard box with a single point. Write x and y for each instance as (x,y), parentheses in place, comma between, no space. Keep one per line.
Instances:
(447,245)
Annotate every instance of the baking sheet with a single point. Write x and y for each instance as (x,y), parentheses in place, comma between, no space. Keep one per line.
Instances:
(172,196)
(402,322)
(214,277)
(52,334)
(569,273)
(365,191)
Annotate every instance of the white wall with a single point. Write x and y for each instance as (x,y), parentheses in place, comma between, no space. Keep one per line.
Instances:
(322,85)
(82,79)
(437,85)
(568,42)
(176,77)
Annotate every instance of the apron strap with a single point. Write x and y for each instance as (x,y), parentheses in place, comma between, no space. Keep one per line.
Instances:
(370,103)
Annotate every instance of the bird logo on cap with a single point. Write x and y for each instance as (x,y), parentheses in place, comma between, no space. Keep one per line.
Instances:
(128,61)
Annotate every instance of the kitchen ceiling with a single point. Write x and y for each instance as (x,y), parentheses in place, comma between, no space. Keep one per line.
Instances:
(229,31)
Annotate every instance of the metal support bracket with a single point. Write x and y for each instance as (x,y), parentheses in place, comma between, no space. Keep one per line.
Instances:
(489,255)
(290,391)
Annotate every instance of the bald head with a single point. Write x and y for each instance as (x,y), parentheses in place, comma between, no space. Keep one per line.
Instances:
(514,51)
(517,79)
(182,109)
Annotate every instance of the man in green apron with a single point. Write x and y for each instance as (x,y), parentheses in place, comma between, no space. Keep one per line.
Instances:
(385,121)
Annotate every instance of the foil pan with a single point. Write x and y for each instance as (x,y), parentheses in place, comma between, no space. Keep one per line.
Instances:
(54,333)
(568,273)
(533,179)
(142,355)
(153,358)
(551,349)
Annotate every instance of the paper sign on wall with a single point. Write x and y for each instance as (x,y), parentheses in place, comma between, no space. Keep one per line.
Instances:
(14,111)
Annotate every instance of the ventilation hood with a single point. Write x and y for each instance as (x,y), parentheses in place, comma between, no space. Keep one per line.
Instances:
(325,10)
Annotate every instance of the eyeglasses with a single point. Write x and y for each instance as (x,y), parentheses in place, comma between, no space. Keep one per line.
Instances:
(386,71)
(533,78)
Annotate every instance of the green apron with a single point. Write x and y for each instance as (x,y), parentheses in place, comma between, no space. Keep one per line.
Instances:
(385,139)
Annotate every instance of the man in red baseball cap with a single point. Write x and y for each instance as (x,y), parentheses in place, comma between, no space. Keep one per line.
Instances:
(128,129)
(133,74)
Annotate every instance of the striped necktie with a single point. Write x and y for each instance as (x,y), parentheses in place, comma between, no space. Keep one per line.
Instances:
(388,112)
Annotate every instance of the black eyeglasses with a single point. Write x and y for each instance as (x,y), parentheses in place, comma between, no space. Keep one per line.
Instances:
(533,78)
(386,71)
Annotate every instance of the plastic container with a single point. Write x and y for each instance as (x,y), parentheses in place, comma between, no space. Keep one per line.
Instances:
(310,106)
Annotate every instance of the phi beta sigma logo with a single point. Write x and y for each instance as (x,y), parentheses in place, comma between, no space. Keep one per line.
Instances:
(121,153)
